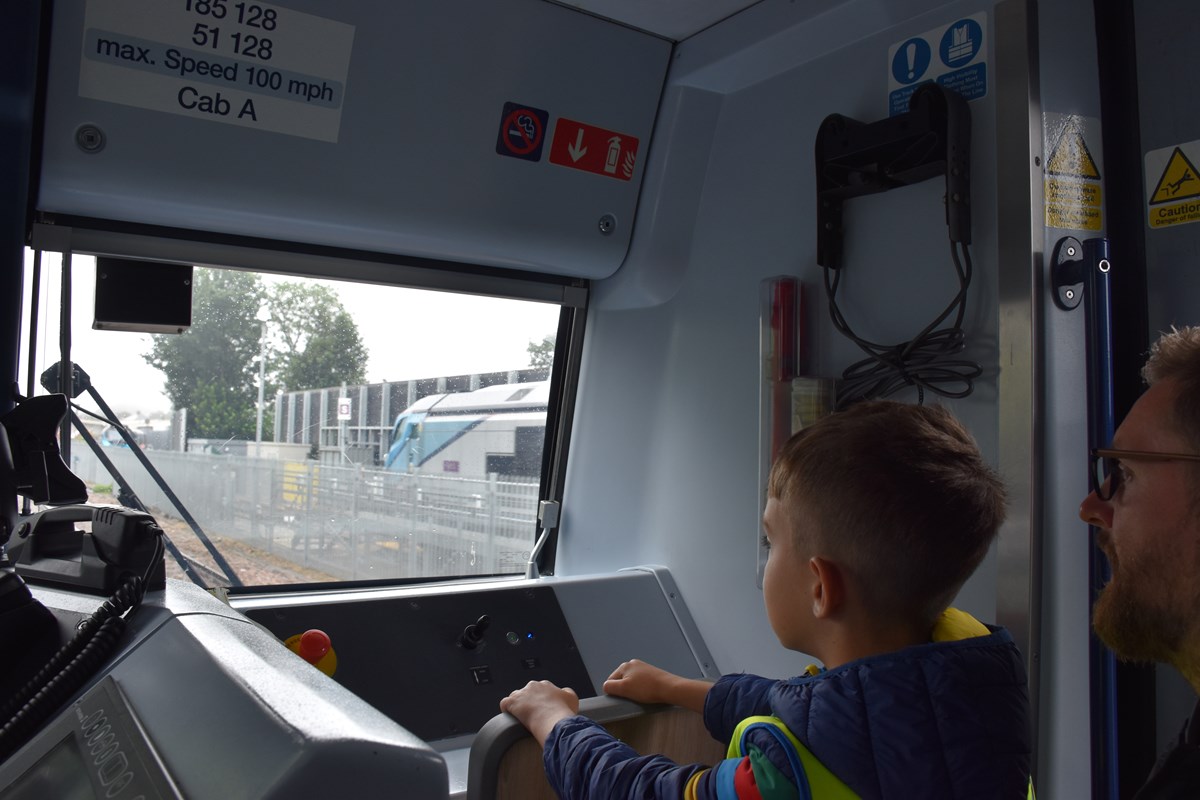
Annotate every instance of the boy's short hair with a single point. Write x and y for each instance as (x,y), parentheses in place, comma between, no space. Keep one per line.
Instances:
(902,498)
(1176,356)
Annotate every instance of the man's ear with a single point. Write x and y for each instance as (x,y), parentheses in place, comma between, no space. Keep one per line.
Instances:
(828,587)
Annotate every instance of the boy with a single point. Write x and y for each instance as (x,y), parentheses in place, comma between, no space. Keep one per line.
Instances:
(875,518)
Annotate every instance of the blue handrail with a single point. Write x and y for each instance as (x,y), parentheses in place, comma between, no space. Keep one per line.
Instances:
(1100,422)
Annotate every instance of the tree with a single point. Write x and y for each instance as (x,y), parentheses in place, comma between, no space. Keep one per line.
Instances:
(542,354)
(314,341)
(221,414)
(211,369)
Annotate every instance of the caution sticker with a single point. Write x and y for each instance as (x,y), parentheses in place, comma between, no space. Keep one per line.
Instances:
(1072,184)
(1173,185)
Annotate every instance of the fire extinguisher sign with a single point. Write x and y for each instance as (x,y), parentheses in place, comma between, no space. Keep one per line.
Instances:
(592,149)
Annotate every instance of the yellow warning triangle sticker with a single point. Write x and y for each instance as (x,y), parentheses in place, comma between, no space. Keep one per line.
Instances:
(1071,157)
(1179,180)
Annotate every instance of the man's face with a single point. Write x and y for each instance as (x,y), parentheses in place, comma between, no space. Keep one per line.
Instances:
(1150,532)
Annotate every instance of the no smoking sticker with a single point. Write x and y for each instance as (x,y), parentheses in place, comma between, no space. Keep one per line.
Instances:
(522,131)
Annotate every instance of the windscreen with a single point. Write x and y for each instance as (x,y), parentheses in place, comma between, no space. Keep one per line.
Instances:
(305,431)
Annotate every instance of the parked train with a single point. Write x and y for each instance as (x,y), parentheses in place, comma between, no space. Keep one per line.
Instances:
(494,430)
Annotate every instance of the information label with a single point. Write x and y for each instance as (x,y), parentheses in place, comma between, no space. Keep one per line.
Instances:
(592,149)
(954,56)
(1072,182)
(252,64)
(522,131)
(1173,185)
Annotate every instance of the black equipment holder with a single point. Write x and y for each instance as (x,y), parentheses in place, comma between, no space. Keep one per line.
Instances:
(854,158)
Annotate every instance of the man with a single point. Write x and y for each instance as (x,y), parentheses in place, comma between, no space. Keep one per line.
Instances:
(1147,510)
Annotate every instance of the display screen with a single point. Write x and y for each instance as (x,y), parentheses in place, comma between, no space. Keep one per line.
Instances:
(60,773)
(96,750)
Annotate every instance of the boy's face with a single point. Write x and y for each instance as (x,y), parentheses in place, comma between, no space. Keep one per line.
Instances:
(787,578)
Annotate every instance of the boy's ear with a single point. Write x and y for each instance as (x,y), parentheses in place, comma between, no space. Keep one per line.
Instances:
(828,587)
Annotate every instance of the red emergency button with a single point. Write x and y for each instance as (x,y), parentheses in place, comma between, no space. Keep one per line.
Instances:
(314,647)
(314,644)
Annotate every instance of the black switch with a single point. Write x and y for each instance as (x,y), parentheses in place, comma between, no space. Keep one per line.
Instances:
(531,663)
(481,675)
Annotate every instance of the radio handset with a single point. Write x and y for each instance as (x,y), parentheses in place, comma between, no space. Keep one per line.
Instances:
(48,548)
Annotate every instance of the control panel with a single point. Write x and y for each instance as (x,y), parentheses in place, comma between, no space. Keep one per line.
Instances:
(439,664)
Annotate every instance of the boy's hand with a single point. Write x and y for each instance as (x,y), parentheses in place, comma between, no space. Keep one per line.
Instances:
(646,683)
(540,706)
(640,682)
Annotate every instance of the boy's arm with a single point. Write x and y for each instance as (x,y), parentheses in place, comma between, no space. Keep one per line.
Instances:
(582,759)
(732,699)
(645,683)
(585,762)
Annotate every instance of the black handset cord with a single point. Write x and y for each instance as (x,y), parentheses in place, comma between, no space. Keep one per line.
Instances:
(75,662)
(923,361)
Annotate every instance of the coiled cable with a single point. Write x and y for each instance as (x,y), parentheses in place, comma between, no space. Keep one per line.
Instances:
(75,662)
(925,361)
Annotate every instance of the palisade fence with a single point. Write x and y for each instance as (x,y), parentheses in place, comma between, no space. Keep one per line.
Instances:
(346,523)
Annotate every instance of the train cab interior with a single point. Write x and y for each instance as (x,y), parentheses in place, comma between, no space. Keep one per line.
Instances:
(366,361)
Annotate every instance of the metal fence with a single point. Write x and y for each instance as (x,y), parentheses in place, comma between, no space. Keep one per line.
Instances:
(287,521)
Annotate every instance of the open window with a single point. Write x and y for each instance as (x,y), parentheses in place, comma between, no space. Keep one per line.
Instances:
(315,431)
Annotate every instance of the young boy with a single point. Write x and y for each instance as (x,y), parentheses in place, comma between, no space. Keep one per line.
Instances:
(875,518)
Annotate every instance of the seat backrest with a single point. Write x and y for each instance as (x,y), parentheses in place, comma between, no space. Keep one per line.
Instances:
(506,762)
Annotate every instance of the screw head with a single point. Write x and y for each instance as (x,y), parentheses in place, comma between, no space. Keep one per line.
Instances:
(608,224)
(89,138)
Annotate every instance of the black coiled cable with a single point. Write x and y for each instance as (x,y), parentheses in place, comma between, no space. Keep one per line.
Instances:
(49,694)
(75,662)
(925,361)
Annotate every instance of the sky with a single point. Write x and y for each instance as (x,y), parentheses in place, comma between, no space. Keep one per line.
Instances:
(408,333)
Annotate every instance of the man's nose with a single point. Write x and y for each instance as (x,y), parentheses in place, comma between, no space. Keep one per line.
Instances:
(1095,511)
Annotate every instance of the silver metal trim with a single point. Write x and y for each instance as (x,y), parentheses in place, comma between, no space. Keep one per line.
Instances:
(1020,234)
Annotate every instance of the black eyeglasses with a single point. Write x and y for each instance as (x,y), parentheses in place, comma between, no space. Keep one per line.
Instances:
(1106,466)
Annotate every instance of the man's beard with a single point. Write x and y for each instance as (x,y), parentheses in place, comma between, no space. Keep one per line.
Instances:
(1134,626)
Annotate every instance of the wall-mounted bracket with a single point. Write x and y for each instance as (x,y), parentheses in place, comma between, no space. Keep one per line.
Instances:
(1066,273)
(1071,267)
(854,158)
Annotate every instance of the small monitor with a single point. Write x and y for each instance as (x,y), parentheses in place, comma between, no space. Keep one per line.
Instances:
(144,296)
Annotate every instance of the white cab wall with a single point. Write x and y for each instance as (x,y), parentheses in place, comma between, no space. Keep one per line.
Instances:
(664,459)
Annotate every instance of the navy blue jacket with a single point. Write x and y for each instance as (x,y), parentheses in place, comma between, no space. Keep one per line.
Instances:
(944,720)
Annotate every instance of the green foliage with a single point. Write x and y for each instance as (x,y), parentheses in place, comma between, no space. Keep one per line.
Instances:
(212,368)
(220,414)
(214,361)
(315,342)
(542,354)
